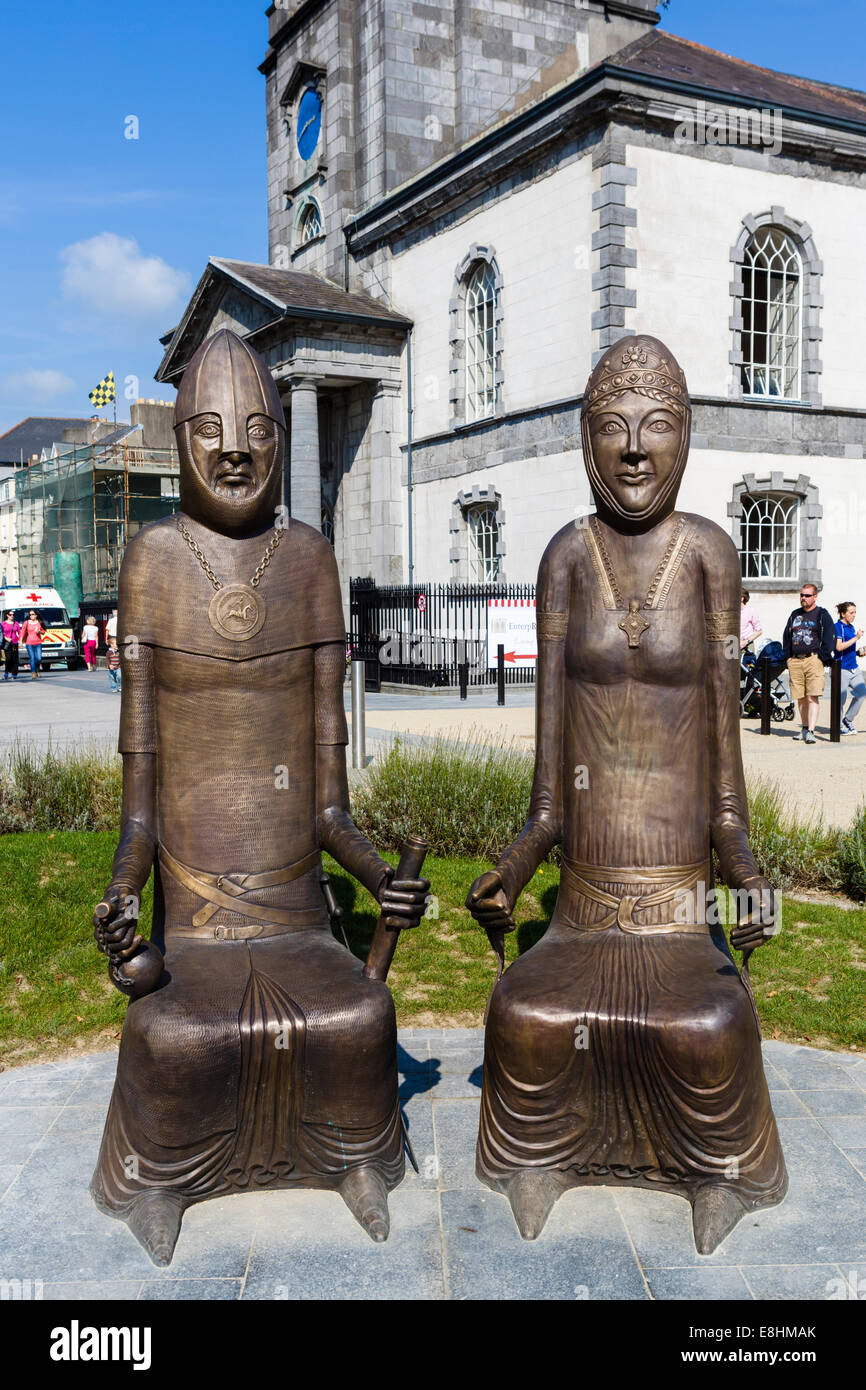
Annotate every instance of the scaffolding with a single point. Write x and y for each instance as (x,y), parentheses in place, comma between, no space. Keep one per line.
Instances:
(90,498)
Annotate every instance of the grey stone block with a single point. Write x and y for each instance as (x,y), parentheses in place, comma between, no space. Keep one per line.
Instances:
(617,256)
(815,1282)
(611,195)
(92,1291)
(205,1290)
(583,1252)
(724,1283)
(610,317)
(613,216)
(317,1250)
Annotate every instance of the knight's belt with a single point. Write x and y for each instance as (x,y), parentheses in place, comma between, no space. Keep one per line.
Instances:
(652,886)
(232,890)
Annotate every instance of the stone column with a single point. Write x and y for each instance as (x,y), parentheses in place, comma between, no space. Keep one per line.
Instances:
(386,492)
(304,465)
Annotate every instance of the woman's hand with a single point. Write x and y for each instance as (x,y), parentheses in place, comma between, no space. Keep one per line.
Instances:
(489,905)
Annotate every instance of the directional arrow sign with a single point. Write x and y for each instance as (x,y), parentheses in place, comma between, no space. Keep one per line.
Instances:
(511,622)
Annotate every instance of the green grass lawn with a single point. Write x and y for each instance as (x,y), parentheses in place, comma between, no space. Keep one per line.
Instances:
(55,996)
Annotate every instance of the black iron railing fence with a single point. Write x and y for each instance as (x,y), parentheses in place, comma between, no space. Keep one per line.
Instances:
(420,634)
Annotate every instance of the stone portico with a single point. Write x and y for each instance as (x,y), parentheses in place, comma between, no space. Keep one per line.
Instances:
(336,358)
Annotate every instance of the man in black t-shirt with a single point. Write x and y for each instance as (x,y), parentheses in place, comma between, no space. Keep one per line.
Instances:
(809,641)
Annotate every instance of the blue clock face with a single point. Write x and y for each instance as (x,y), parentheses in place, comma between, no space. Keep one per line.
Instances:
(309,122)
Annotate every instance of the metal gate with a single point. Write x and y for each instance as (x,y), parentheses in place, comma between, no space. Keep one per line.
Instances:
(420,634)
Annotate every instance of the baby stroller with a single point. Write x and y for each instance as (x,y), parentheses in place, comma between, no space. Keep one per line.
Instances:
(781,705)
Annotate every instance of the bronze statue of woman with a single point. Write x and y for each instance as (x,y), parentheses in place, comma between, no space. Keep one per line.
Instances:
(624,1047)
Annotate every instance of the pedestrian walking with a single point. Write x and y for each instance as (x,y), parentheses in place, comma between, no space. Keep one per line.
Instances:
(32,632)
(111,625)
(112,661)
(11,638)
(89,639)
(847,650)
(809,644)
(750,623)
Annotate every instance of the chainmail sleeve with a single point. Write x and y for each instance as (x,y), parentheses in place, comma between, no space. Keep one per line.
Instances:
(137,700)
(330,676)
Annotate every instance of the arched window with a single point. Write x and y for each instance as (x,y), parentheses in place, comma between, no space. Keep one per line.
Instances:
(483,533)
(309,223)
(771,312)
(478,536)
(475,309)
(777,301)
(769,536)
(480,343)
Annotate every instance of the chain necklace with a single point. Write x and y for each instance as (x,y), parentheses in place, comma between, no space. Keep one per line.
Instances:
(635,624)
(236,611)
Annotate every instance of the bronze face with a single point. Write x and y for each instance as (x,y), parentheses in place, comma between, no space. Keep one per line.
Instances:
(635,425)
(230,433)
(635,450)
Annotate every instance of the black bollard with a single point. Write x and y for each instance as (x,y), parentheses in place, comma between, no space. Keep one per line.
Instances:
(765,694)
(463,674)
(500,675)
(835,702)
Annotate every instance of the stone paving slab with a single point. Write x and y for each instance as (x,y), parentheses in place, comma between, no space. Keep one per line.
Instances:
(451,1238)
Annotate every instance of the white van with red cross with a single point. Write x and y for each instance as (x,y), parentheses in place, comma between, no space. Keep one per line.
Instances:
(58,643)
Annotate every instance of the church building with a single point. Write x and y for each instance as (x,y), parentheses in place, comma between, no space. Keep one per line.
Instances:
(469,203)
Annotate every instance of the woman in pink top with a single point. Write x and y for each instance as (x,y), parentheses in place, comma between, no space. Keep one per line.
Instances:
(32,633)
(89,639)
(11,638)
(750,623)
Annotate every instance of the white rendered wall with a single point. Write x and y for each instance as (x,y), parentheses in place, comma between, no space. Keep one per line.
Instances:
(689,216)
(541,236)
(541,495)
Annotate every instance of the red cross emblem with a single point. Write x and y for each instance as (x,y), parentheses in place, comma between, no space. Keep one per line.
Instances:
(34,598)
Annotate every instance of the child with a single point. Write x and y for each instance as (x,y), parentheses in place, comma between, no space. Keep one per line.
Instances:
(112,661)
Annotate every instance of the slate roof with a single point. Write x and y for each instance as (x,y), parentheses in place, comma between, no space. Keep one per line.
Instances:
(34,434)
(671,58)
(301,290)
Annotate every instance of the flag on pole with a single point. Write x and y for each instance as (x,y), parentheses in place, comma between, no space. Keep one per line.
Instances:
(104,392)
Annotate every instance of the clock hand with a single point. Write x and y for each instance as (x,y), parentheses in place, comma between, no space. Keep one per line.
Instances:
(306,127)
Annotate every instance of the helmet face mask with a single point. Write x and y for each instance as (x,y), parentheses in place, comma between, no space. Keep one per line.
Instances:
(230,432)
(635,427)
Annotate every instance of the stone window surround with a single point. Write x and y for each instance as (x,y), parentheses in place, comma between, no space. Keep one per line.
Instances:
(809,571)
(457,336)
(479,494)
(304,204)
(812,301)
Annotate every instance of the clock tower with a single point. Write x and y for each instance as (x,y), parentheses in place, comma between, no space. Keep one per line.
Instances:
(364,94)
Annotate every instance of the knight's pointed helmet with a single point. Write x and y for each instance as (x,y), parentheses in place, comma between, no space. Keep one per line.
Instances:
(640,364)
(226,377)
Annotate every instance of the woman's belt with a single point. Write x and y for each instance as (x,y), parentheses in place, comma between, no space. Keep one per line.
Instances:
(657,885)
(230,891)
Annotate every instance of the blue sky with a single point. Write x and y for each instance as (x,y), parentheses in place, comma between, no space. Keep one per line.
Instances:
(103,237)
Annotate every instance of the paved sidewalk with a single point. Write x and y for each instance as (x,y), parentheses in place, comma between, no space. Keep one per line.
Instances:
(821,779)
(450,1237)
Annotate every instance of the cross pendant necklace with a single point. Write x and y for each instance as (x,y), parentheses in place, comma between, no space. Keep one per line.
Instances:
(635,624)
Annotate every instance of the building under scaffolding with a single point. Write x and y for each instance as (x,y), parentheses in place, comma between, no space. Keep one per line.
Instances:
(90,499)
